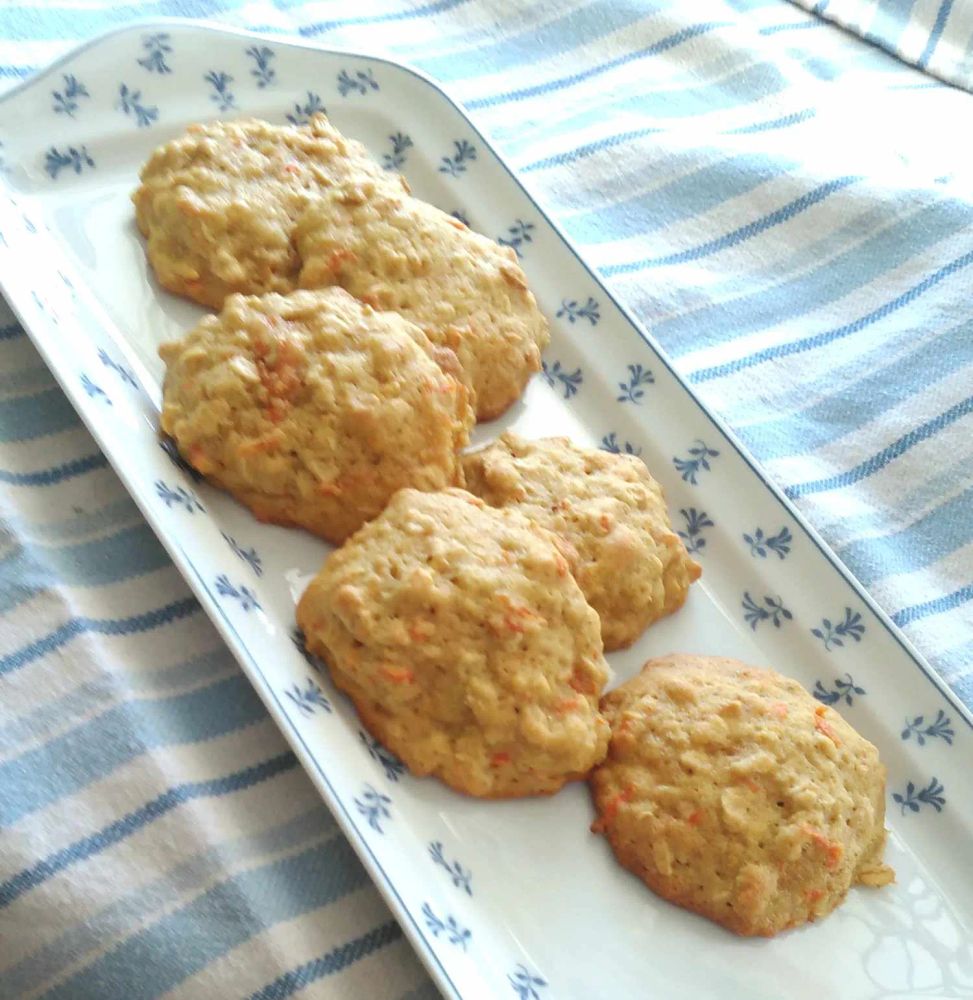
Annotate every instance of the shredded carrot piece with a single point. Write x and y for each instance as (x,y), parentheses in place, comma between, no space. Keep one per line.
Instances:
(420,630)
(456,223)
(822,727)
(399,675)
(580,683)
(813,895)
(605,521)
(330,489)
(751,784)
(561,563)
(832,849)
(291,168)
(695,817)
(612,806)
(337,259)
(266,443)
(566,705)
(500,758)
(779,709)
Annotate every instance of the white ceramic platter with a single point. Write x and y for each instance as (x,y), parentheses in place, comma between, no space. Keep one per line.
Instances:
(517,899)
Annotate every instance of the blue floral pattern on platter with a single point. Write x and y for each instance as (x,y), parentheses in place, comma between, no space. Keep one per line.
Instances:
(843,689)
(120,370)
(697,461)
(464,153)
(302,113)
(696,522)
(374,806)
(778,543)
(462,878)
(94,390)
(554,374)
(611,444)
(913,798)
(178,496)
(395,160)
(222,96)
(939,728)
(526,984)
(574,311)
(771,609)
(391,765)
(262,71)
(833,634)
(130,103)
(309,698)
(249,556)
(448,926)
(517,234)
(172,452)
(77,158)
(157,48)
(632,391)
(66,100)
(359,82)
(244,596)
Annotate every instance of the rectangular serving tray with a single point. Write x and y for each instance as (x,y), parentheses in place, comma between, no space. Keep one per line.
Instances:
(509,899)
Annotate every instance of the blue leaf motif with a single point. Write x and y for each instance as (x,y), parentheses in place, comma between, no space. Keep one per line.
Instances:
(130,102)
(75,158)
(120,370)
(517,235)
(834,634)
(632,391)
(169,447)
(302,113)
(222,95)
(914,799)
(178,496)
(844,689)
(262,72)
(66,99)
(246,598)
(611,444)
(464,153)
(771,610)
(696,522)
(249,556)
(697,461)
(462,877)
(156,47)
(939,729)
(374,806)
(94,391)
(361,82)
(309,698)
(574,312)
(760,544)
(393,767)
(555,374)
(452,930)
(394,160)
(526,983)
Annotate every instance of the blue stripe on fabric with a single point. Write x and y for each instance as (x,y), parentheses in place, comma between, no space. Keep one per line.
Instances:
(739,235)
(57,474)
(785,121)
(113,514)
(663,45)
(833,280)
(878,461)
(155,959)
(889,21)
(775,29)
(579,152)
(540,41)
(99,746)
(86,847)
(687,196)
(11,332)
(441,6)
(131,552)
(99,626)
(933,537)
(942,16)
(887,383)
(328,964)
(30,417)
(934,607)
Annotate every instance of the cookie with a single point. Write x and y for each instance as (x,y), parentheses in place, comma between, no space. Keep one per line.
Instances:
(465,644)
(464,290)
(610,513)
(218,205)
(313,409)
(730,791)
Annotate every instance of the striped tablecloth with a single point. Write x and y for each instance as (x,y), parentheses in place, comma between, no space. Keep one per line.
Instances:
(786,206)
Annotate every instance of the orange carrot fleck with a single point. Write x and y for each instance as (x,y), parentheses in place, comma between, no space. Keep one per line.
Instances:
(832,849)
(612,806)
(813,895)
(561,563)
(291,168)
(581,683)
(500,758)
(337,260)
(779,709)
(456,223)
(822,727)
(605,521)
(695,817)
(566,705)
(420,630)
(399,675)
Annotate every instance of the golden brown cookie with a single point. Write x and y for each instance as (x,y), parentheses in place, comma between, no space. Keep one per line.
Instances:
(218,205)
(730,791)
(611,515)
(313,409)
(464,290)
(465,644)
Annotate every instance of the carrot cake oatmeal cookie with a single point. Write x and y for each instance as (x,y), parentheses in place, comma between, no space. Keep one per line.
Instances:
(313,409)
(465,644)
(465,291)
(611,515)
(730,791)
(218,205)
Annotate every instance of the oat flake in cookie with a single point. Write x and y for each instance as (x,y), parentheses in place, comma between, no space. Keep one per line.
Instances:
(313,409)
(464,290)
(465,644)
(219,204)
(611,515)
(730,791)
